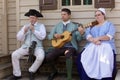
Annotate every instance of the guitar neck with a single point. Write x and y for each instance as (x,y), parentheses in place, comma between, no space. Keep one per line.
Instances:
(91,24)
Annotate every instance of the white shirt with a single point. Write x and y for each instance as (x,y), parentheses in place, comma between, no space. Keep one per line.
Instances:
(41,34)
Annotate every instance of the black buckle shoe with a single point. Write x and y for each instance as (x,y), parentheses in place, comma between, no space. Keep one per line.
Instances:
(31,75)
(15,77)
(52,75)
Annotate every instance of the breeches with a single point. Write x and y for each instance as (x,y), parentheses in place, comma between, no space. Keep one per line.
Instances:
(55,53)
(16,55)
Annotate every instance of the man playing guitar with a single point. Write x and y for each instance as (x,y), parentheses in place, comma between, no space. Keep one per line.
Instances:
(69,48)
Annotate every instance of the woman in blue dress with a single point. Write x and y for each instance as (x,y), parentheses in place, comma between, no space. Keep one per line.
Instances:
(97,60)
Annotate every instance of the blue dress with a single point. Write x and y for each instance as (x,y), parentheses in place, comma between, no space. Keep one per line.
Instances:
(106,29)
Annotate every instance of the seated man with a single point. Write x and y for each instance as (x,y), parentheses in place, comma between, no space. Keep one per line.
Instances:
(33,31)
(69,48)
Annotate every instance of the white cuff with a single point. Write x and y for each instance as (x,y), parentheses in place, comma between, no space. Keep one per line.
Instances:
(110,36)
(88,36)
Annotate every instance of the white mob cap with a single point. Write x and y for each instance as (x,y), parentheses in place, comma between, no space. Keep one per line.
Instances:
(102,10)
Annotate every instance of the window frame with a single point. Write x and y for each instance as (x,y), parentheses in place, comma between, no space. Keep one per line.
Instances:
(76,6)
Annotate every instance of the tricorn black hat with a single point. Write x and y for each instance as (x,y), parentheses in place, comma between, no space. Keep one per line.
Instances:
(33,12)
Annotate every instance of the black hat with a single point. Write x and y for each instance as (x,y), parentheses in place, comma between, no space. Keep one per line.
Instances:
(33,12)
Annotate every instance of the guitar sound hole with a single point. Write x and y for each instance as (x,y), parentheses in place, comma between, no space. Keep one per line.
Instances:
(62,37)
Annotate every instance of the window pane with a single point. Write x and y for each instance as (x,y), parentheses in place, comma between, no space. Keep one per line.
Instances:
(76,2)
(65,2)
(87,2)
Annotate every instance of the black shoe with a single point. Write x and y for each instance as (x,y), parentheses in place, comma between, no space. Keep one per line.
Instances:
(15,77)
(31,75)
(52,75)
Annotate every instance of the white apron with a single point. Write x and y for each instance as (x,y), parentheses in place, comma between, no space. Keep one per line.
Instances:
(97,60)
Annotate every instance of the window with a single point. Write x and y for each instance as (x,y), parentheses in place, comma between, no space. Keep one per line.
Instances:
(47,4)
(105,3)
(76,2)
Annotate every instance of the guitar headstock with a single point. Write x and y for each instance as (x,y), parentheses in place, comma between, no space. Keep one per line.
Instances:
(94,23)
(91,24)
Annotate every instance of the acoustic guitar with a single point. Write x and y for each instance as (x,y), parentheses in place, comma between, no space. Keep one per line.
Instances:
(67,36)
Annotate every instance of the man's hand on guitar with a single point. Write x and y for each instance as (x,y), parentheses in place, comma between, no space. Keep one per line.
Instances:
(58,36)
(81,30)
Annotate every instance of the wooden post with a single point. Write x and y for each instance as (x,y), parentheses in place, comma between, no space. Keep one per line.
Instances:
(4,28)
(18,18)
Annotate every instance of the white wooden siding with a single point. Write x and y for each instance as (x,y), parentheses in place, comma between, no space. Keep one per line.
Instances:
(12,25)
(0,26)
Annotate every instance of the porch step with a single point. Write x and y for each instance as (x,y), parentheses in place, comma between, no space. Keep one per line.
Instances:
(5,58)
(118,75)
(5,65)
(5,70)
(58,77)
(43,76)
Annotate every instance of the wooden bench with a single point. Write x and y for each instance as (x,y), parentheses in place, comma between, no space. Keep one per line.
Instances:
(45,67)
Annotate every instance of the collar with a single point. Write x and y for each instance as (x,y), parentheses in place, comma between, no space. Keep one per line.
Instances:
(34,24)
(66,22)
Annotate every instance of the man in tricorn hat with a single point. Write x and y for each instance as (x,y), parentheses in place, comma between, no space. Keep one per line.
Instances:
(33,31)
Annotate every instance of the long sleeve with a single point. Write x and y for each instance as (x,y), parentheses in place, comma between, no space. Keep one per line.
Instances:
(41,33)
(78,36)
(51,35)
(21,35)
(111,31)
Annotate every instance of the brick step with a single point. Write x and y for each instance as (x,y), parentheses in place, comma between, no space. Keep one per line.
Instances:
(58,77)
(5,58)
(43,76)
(118,75)
(5,70)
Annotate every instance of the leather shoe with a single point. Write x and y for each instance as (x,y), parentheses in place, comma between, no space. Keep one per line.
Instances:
(31,75)
(52,75)
(15,77)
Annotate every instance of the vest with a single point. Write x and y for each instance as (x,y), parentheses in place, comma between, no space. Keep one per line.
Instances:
(30,36)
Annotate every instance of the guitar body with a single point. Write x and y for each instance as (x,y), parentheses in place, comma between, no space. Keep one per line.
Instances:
(57,43)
